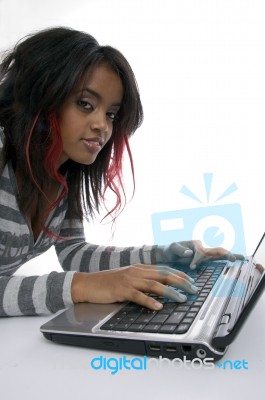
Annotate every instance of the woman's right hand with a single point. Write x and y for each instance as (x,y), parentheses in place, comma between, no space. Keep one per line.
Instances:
(131,283)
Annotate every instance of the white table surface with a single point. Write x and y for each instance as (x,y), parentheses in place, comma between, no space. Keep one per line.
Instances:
(31,367)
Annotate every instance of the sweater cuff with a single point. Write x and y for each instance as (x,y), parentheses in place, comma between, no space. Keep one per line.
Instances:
(149,254)
(67,296)
(59,291)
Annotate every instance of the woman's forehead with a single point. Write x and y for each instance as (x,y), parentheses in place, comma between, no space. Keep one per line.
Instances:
(102,78)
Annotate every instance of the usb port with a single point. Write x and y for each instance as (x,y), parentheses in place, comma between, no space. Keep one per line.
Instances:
(154,348)
(170,349)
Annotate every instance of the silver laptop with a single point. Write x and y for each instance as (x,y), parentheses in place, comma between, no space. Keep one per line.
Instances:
(204,326)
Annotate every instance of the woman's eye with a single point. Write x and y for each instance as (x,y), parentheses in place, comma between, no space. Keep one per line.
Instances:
(112,116)
(84,104)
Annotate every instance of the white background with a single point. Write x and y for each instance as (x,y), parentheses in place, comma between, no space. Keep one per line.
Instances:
(200,66)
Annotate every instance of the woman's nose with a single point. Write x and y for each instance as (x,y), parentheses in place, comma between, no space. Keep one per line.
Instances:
(99,122)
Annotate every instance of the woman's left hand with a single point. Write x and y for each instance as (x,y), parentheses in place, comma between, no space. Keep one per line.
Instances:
(192,253)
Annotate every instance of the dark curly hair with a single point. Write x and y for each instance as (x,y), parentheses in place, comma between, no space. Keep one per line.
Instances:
(36,78)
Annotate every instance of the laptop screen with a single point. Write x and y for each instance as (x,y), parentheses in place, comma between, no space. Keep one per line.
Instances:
(259,253)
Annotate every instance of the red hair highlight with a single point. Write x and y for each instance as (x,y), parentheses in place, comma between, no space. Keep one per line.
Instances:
(53,156)
(51,162)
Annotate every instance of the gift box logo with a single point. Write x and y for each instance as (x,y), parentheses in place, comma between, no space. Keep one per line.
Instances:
(214,224)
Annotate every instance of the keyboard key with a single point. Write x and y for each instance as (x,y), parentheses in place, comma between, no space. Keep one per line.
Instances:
(116,318)
(152,328)
(187,320)
(198,303)
(182,328)
(190,297)
(168,308)
(136,327)
(159,318)
(108,326)
(163,299)
(167,329)
(175,318)
(199,285)
(133,314)
(122,327)
(182,308)
(129,319)
(191,314)
(121,314)
(194,309)
(144,318)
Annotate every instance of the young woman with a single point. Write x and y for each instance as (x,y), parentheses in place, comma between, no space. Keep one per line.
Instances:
(67,109)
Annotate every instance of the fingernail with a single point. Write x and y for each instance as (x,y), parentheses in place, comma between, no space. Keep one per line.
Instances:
(193,266)
(158,306)
(193,288)
(181,297)
(188,252)
(191,279)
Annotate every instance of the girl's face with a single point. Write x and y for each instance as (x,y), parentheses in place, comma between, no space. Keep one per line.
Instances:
(86,118)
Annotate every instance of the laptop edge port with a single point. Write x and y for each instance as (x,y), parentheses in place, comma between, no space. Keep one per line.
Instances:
(186,349)
(154,347)
(170,349)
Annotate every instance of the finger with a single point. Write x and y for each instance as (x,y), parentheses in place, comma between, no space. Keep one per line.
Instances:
(142,299)
(233,256)
(172,294)
(215,253)
(179,280)
(165,269)
(197,259)
(260,268)
(161,290)
(177,250)
(210,254)
(152,277)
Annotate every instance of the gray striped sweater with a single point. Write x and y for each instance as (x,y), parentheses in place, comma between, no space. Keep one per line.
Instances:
(52,292)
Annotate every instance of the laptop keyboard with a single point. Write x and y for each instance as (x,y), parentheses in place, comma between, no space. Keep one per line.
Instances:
(174,317)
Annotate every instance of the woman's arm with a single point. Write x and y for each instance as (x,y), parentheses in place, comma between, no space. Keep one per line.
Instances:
(35,295)
(106,282)
(75,254)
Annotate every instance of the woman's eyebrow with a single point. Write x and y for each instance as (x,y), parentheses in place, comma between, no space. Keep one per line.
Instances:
(97,95)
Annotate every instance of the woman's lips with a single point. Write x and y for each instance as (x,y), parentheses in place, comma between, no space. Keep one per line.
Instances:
(92,145)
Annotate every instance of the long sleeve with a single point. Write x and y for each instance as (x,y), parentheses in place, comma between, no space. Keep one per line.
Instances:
(35,295)
(75,254)
(21,295)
